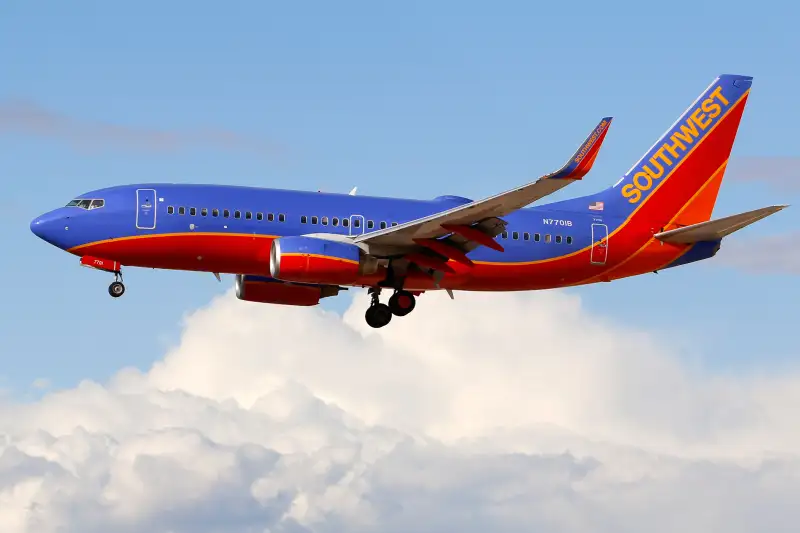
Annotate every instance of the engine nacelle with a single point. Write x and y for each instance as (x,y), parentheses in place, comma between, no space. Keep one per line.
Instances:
(312,260)
(272,291)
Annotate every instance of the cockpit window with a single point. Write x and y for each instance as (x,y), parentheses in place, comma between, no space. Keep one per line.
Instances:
(87,203)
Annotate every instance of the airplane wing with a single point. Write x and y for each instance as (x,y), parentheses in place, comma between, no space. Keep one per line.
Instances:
(713,230)
(477,223)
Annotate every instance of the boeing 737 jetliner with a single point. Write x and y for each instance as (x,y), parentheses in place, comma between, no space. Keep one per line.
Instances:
(295,247)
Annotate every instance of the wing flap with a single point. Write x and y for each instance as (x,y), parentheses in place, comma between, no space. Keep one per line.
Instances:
(716,229)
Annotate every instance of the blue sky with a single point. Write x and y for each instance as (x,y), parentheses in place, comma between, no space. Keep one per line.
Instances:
(415,99)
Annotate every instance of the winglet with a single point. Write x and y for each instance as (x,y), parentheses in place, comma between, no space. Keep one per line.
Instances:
(582,160)
(713,230)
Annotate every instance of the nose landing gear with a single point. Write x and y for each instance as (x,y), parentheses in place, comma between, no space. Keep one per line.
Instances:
(378,315)
(117,288)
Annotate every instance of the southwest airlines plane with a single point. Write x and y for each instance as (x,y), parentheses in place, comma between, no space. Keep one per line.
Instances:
(295,248)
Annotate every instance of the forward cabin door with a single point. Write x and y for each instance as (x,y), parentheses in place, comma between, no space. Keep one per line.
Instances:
(599,244)
(145,209)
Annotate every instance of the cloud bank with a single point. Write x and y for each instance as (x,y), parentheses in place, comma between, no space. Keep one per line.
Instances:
(29,118)
(516,412)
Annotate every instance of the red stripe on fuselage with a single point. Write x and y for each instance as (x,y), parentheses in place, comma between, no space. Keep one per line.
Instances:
(206,252)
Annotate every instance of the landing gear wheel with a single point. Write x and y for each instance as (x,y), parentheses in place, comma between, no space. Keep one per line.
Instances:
(402,302)
(116,289)
(378,315)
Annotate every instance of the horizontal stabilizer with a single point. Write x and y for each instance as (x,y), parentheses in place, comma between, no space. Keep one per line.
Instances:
(713,230)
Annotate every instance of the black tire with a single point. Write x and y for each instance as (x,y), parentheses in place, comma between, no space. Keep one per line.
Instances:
(402,302)
(378,315)
(116,289)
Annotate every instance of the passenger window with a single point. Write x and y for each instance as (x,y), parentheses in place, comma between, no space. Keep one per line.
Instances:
(270,217)
(259,216)
(324,221)
(226,213)
(281,218)
(171,210)
(505,235)
(303,219)
(237,214)
(526,236)
(97,204)
(383,225)
(558,239)
(204,212)
(181,210)
(346,222)
(193,211)
(536,237)
(370,224)
(215,212)
(394,223)
(515,235)
(547,238)
(248,215)
(569,240)
(314,220)
(335,221)
(357,223)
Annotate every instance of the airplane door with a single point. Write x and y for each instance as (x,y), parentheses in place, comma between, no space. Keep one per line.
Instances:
(356,225)
(599,252)
(145,209)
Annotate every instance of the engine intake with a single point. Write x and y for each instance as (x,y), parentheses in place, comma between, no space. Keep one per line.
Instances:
(312,260)
(272,291)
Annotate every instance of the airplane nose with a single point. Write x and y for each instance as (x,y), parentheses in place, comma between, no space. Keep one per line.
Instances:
(45,227)
(38,227)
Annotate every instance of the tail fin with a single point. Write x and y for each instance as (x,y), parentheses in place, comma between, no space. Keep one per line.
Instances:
(677,181)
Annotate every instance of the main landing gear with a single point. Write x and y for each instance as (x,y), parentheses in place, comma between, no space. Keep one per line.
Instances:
(401,303)
(117,288)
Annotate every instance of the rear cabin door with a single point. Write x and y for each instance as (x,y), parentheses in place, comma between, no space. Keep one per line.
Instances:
(599,244)
(145,209)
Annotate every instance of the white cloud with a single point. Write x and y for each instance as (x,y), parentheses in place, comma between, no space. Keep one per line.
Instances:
(494,412)
(41,383)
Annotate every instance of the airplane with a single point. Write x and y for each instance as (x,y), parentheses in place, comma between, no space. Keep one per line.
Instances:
(294,247)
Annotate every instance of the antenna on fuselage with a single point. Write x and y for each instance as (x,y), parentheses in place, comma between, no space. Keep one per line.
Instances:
(353,191)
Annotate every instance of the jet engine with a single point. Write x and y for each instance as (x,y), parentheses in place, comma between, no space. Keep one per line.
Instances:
(271,291)
(313,260)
